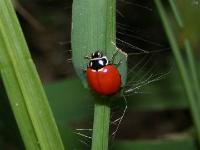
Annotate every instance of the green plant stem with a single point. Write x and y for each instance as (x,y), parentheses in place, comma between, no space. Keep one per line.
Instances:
(179,60)
(94,28)
(101,126)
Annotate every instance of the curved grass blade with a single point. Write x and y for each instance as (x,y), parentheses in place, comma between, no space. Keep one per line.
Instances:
(188,85)
(27,98)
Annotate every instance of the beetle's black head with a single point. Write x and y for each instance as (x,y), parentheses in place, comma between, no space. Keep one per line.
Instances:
(96,54)
(97,61)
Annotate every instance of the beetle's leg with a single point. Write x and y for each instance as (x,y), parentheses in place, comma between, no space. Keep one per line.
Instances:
(69,60)
(113,57)
(84,70)
(87,57)
(119,63)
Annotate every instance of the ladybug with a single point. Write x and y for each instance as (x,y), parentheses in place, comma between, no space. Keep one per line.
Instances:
(103,77)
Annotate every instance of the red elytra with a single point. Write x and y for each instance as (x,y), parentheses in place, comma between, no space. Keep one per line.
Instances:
(105,81)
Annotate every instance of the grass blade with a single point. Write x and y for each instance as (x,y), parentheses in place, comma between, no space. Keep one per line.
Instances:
(24,89)
(93,28)
(192,67)
(189,50)
(194,107)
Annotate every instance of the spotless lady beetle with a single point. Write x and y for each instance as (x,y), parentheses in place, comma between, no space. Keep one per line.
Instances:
(102,75)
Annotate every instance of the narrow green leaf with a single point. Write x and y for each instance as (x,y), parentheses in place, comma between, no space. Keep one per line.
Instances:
(194,105)
(193,70)
(176,13)
(189,51)
(94,28)
(24,89)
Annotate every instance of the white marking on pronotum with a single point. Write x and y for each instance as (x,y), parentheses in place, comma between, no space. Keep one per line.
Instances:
(91,63)
(101,62)
(99,58)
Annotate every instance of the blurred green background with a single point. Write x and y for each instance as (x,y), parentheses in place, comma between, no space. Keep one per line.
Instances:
(157,117)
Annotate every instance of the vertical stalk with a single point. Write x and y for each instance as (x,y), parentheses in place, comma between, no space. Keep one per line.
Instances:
(101,126)
(189,51)
(180,63)
(193,72)
(94,28)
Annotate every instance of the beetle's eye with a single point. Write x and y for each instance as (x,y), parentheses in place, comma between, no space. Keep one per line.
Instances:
(99,54)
